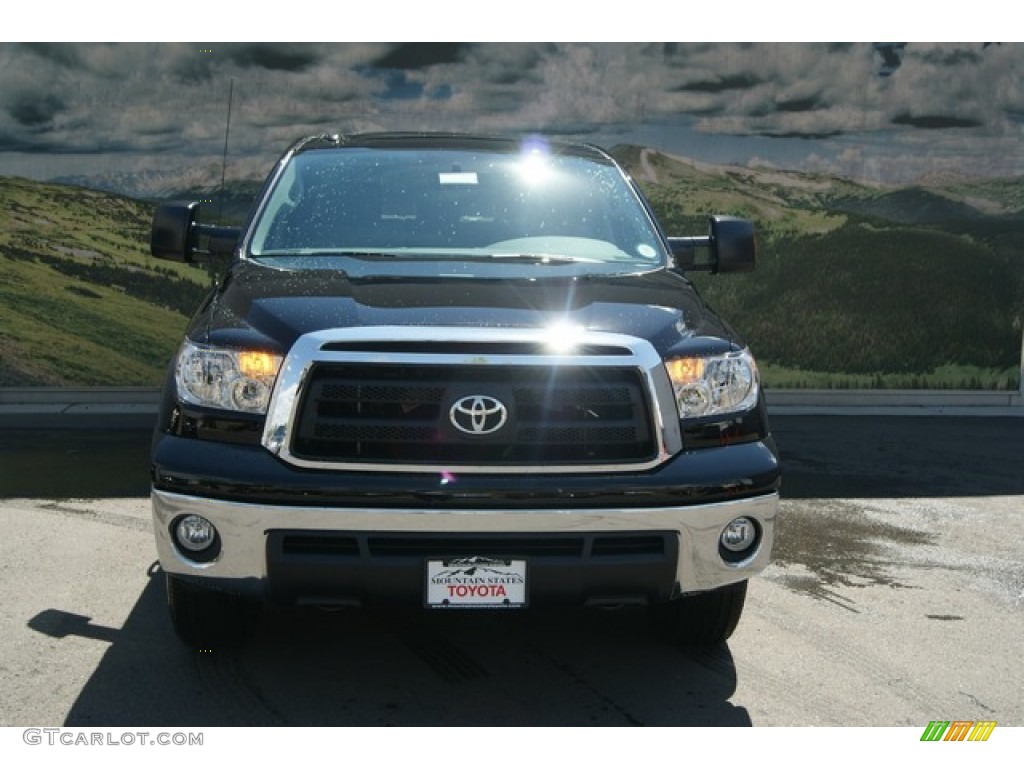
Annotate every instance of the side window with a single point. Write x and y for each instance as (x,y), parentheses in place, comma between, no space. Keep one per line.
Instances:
(281,201)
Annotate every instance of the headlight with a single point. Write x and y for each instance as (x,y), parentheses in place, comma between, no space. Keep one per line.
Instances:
(709,386)
(233,379)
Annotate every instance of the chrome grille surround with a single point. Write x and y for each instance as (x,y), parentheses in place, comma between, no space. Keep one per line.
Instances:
(454,346)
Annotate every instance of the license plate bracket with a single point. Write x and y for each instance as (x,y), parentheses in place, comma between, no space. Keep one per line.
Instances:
(476,582)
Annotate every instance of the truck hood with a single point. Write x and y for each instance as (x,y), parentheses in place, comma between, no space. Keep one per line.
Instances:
(257,305)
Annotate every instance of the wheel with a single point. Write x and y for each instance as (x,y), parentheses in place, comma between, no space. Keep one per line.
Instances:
(207,619)
(706,618)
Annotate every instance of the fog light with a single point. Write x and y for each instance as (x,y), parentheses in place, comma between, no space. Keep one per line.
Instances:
(739,535)
(195,533)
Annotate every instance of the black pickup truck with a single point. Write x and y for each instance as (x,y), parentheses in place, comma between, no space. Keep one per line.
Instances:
(458,372)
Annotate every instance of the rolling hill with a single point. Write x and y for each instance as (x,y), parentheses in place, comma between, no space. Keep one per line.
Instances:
(907,287)
(81,301)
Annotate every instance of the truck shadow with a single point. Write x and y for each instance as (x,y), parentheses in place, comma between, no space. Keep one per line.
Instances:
(373,668)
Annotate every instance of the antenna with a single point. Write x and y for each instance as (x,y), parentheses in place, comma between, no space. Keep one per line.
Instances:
(224,162)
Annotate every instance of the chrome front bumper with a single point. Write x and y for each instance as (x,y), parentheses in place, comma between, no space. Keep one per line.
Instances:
(243,529)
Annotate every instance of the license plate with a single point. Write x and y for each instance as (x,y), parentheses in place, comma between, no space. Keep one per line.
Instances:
(476,582)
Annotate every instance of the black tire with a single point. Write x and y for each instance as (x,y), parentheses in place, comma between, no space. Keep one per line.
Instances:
(206,619)
(703,619)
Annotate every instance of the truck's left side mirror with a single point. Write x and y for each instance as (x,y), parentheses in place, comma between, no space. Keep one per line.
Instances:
(176,232)
(733,243)
(729,246)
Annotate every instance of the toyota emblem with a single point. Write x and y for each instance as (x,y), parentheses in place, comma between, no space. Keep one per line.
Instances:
(478,414)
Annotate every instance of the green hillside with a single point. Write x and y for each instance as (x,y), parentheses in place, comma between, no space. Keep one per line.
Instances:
(81,301)
(860,286)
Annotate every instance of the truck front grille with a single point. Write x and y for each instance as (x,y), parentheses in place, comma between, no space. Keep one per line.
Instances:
(424,414)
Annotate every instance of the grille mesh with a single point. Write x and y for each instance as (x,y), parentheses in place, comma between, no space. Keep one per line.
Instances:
(402,413)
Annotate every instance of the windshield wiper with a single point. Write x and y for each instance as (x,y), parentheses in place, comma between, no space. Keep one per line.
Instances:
(555,259)
(318,252)
(543,258)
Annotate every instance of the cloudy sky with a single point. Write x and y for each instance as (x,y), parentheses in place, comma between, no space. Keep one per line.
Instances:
(878,112)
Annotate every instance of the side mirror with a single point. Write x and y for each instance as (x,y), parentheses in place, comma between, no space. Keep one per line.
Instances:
(176,234)
(729,247)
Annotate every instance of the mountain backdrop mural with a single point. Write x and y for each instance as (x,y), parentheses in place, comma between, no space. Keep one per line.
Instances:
(885,180)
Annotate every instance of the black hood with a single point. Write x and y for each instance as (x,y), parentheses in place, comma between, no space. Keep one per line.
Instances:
(262,306)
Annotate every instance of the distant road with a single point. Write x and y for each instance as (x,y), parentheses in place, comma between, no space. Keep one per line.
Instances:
(650,175)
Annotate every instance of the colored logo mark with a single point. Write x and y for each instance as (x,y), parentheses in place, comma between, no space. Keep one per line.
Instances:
(958,730)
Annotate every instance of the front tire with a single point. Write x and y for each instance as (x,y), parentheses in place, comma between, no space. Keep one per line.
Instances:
(207,619)
(704,619)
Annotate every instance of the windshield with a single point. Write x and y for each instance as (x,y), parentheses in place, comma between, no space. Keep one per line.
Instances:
(444,204)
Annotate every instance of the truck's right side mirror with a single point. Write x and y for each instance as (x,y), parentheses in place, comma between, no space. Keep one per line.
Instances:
(729,246)
(174,234)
